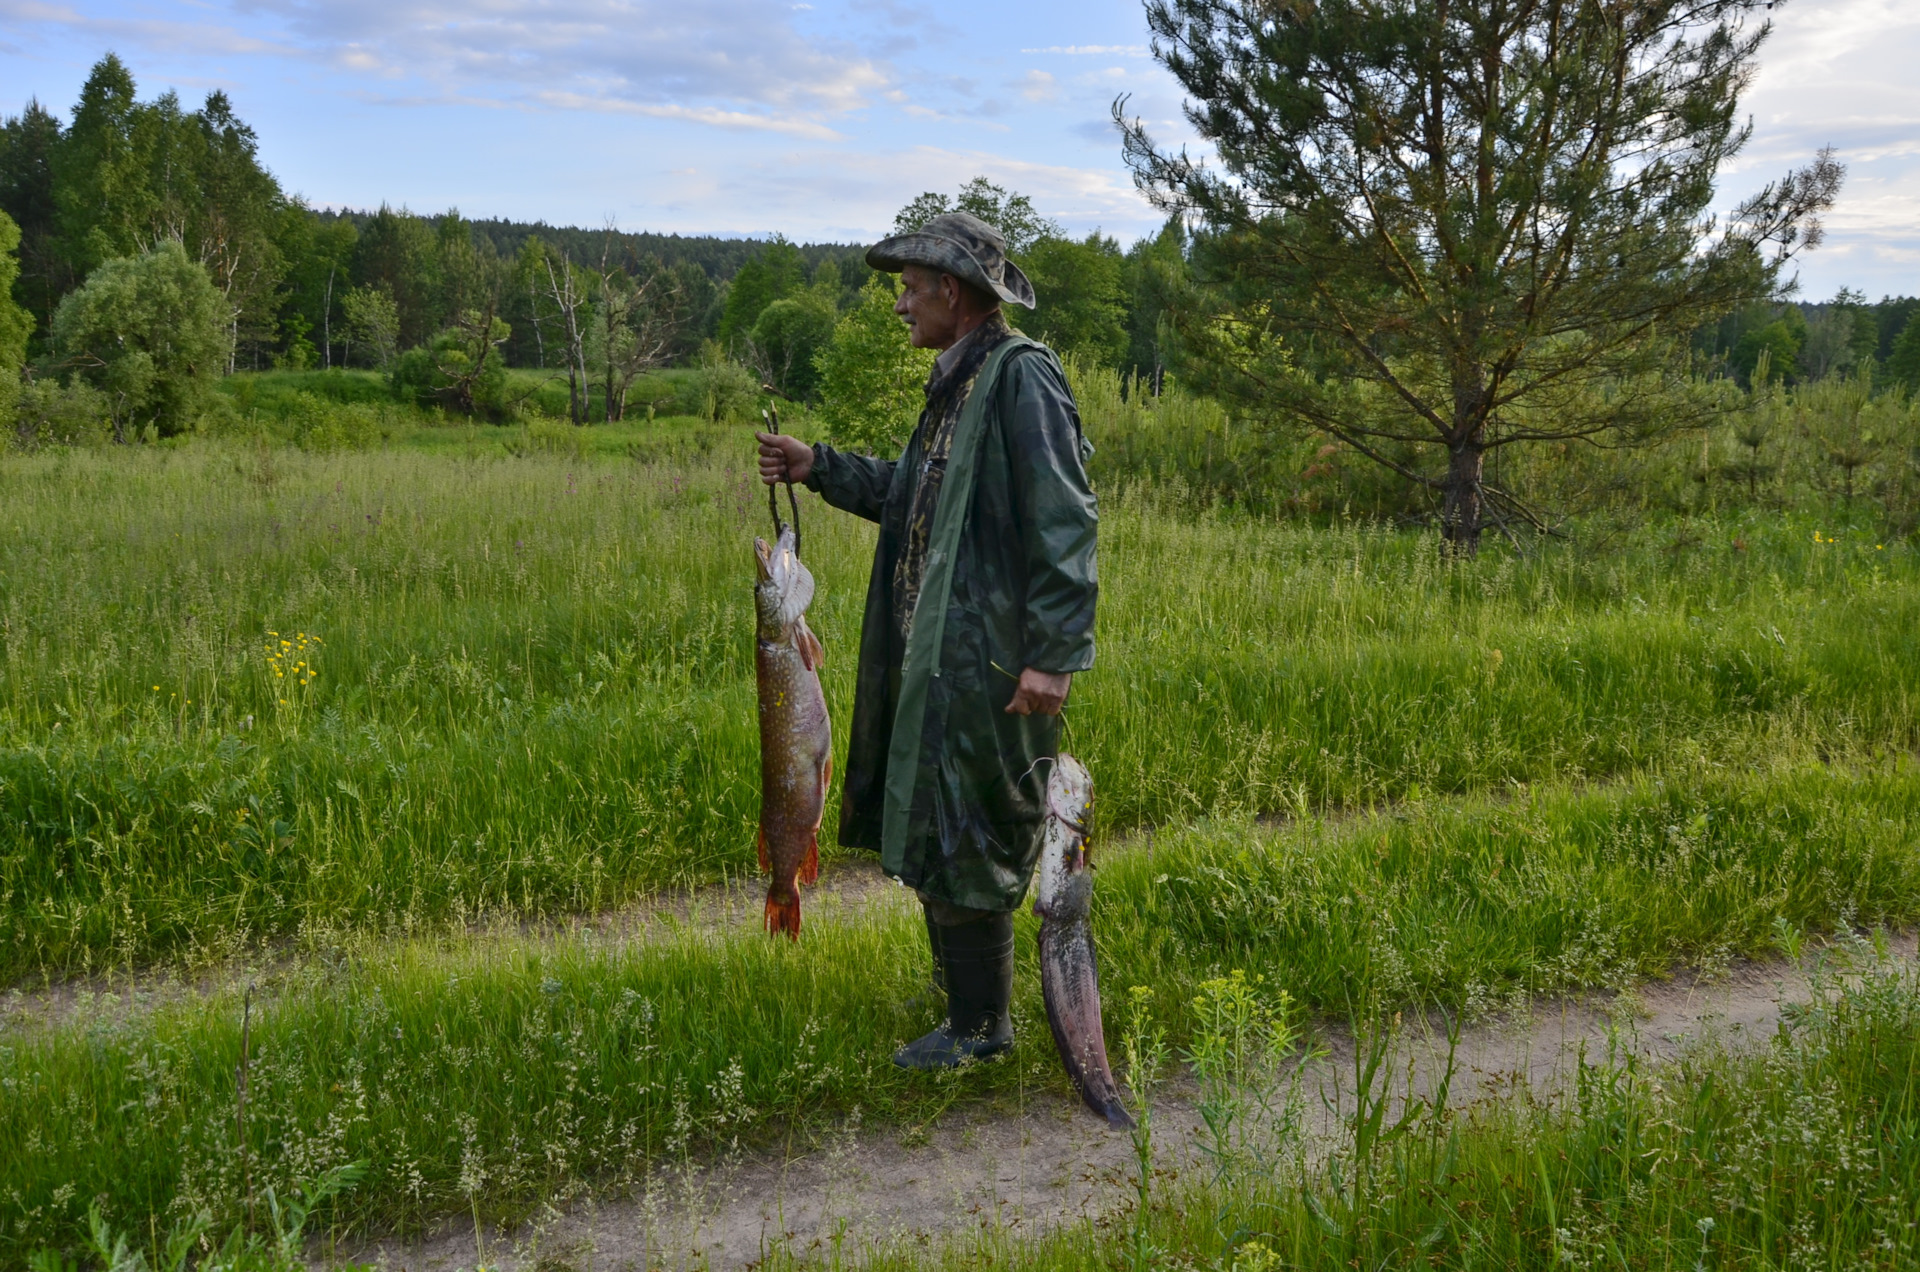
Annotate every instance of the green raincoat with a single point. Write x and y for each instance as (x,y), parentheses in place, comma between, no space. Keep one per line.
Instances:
(940,780)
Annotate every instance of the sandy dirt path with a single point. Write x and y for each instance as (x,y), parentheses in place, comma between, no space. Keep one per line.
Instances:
(1053,1163)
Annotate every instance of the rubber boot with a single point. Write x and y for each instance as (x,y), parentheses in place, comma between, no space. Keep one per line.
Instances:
(976,960)
(936,988)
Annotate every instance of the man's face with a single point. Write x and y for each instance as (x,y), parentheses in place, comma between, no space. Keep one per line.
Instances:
(930,302)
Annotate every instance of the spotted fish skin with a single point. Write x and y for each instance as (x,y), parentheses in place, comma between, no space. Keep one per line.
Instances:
(796,737)
(1069,970)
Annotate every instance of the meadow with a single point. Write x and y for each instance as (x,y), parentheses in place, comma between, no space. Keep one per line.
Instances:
(249,692)
(365,713)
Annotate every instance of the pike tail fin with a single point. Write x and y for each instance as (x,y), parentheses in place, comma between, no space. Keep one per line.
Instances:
(783,915)
(810,864)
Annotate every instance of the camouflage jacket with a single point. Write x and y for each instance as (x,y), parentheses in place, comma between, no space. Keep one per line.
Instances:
(1014,561)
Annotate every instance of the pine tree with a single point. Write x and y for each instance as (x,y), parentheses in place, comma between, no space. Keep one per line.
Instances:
(1438,229)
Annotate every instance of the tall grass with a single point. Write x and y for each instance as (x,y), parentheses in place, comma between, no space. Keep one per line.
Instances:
(1837,449)
(532,693)
(502,1073)
(1804,1153)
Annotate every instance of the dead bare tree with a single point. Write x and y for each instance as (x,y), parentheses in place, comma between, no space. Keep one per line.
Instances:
(563,290)
(636,329)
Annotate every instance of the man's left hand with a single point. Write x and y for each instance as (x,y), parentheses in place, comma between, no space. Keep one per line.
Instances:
(1040,691)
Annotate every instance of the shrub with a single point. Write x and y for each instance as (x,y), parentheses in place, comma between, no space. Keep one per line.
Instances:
(871,376)
(461,369)
(15,322)
(151,333)
(720,390)
(48,413)
(788,336)
(318,425)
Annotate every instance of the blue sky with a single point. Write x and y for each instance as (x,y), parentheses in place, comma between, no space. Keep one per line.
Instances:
(821,119)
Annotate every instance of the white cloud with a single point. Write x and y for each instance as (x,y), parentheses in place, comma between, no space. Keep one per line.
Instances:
(718,118)
(1840,73)
(1094,50)
(1038,86)
(722,54)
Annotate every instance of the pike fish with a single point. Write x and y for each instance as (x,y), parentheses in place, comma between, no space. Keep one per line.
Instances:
(796,739)
(1069,975)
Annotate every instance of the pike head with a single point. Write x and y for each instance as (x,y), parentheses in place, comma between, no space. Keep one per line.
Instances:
(784,587)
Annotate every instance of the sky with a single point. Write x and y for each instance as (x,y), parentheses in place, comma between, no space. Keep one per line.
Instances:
(820,120)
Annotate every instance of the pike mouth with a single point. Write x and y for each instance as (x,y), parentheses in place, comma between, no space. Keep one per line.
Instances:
(762,560)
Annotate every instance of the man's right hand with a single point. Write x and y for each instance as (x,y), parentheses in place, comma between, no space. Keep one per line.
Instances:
(784,458)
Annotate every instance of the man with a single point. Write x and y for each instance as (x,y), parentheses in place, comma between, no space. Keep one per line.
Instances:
(979,611)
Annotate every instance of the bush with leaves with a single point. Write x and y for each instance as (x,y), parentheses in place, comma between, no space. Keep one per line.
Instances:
(1082,305)
(720,390)
(788,337)
(373,323)
(461,369)
(151,333)
(49,413)
(15,322)
(871,376)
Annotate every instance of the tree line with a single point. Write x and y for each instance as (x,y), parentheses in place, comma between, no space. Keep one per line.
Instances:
(442,303)
(1427,235)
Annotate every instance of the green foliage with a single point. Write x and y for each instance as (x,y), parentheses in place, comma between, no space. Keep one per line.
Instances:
(1153,279)
(28,143)
(396,253)
(106,202)
(1012,214)
(50,413)
(1779,341)
(15,322)
(788,338)
(372,322)
(460,369)
(1375,272)
(598,1061)
(319,279)
(128,174)
(151,333)
(774,273)
(533,676)
(1903,361)
(872,379)
(281,1249)
(720,390)
(1082,306)
(315,424)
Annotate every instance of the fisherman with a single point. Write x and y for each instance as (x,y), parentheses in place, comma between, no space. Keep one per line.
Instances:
(979,611)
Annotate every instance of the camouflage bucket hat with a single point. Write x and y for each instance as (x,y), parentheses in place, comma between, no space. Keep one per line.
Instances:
(959,244)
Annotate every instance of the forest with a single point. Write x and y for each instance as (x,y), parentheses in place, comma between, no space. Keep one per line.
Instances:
(302,288)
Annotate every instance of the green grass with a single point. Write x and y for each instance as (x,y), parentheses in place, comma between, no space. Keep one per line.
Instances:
(508,1072)
(1804,1153)
(534,694)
